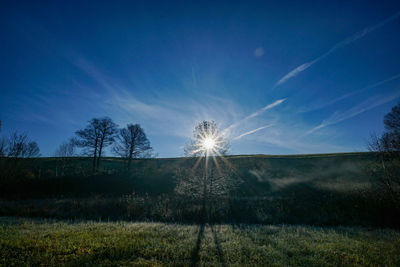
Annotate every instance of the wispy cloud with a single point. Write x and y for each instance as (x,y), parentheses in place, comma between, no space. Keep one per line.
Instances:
(251,132)
(342,97)
(94,73)
(284,138)
(341,44)
(258,112)
(168,114)
(254,114)
(368,104)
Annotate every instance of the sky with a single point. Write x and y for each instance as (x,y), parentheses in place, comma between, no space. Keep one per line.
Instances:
(279,77)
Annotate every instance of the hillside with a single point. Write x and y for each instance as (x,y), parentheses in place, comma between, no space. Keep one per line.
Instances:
(329,189)
(260,175)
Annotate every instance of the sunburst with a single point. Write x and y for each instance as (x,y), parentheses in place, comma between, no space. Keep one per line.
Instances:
(208,143)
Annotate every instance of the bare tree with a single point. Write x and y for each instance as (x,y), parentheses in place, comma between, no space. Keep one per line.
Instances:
(211,177)
(132,143)
(16,146)
(3,151)
(66,149)
(88,139)
(108,130)
(19,146)
(3,146)
(64,153)
(207,133)
(97,135)
(210,182)
(392,119)
(387,148)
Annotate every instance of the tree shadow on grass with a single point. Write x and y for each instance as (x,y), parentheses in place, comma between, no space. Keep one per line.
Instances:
(217,243)
(195,258)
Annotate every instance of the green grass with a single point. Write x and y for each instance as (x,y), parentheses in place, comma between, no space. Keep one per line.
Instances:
(25,242)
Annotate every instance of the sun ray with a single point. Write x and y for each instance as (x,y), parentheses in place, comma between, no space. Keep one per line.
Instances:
(197,163)
(217,165)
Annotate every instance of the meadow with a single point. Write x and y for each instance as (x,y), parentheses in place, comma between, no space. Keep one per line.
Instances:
(28,242)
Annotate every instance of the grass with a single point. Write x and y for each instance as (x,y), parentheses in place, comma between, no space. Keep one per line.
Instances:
(25,242)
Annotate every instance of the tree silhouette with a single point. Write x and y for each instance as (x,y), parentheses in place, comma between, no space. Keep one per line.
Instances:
(132,143)
(98,134)
(64,152)
(202,131)
(387,148)
(19,146)
(211,177)
(12,148)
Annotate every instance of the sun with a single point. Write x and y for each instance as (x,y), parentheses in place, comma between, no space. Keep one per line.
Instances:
(208,143)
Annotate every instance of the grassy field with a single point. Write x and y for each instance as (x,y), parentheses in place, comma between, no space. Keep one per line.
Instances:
(25,242)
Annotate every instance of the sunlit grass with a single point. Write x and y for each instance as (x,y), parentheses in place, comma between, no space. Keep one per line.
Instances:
(35,242)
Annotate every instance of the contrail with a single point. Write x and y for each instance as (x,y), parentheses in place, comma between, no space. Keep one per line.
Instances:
(258,112)
(368,104)
(252,115)
(333,101)
(369,87)
(341,44)
(252,131)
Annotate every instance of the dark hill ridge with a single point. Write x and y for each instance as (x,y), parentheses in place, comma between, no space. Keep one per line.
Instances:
(323,189)
(260,174)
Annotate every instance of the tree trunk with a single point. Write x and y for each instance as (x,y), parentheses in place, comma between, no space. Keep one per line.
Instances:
(204,208)
(130,157)
(94,157)
(98,158)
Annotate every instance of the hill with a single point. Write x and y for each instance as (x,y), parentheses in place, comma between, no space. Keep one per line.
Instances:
(325,189)
(260,174)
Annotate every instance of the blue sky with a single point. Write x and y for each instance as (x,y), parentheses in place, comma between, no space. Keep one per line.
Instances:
(284,78)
